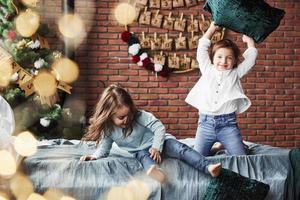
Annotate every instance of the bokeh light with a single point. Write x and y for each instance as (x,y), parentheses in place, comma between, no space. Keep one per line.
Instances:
(5,73)
(27,23)
(65,70)
(67,198)
(117,193)
(3,196)
(35,196)
(25,144)
(71,26)
(45,84)
(21,186)
(30,2)
(53,194)
(125,13)
(8,164)
(139,189)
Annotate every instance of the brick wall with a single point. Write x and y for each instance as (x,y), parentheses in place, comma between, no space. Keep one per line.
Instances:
(273,85)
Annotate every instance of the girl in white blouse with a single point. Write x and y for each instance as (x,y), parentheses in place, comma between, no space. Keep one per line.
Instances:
(218,95)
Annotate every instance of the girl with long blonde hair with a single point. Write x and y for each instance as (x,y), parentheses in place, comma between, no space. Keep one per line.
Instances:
(116,119)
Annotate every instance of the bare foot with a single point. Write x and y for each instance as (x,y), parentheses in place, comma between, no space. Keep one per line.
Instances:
(156,173)
(215,169)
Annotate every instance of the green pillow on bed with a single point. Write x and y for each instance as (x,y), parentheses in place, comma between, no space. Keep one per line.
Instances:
(230,185)
(254,18)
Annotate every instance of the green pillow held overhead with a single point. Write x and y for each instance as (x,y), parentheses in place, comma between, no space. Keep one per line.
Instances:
(254,18)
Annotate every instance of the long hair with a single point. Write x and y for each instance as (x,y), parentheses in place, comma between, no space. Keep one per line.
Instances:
(101,123)
(228,44)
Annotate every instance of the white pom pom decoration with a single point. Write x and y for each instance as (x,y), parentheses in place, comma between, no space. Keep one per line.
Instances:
(140,63)
(45,122)
(158,67)
(143,56)
(39,63)
(134,49)
(35,45)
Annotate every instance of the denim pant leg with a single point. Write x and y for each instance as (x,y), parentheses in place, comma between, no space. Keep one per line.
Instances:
(175,149)
(228,133)
(144,158)
(205,136)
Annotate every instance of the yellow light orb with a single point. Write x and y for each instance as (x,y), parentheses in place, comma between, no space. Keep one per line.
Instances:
(53,194)
(125,13)
(117,193)
(27,23)
(140,190)
(21,186)
(71,26)
(45,84)
(30,2)
(35,196)
(25,144)
(5,73)
(65,70)
(67,198)
(3,196)
(8,164)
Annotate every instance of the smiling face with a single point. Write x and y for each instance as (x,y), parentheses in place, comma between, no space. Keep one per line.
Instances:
(224,54)
(120,117)
(224,59)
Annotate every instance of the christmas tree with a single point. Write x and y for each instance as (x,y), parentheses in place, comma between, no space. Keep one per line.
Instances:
(32,76)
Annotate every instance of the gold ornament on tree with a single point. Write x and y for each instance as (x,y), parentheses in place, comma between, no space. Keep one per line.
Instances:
(65,70)
(27,23)
(45,84)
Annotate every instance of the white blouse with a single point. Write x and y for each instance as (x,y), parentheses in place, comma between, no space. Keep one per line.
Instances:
(220,92)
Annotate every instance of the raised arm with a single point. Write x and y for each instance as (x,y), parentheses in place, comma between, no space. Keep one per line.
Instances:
(203,48)
(249,41)
(210,31)
(249,55)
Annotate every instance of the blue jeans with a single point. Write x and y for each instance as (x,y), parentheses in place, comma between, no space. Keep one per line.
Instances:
(174,149)
(222,128)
